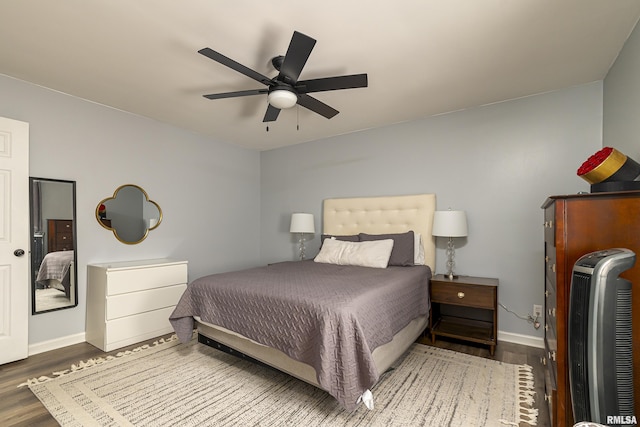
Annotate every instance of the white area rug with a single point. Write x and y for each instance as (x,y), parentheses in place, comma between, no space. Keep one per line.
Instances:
(50,298)
(168,383)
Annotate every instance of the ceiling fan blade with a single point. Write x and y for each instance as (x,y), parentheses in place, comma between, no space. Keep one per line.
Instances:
(316,106)
(236,94)
(297,54)
(218,57)
(272,114)
(332,83)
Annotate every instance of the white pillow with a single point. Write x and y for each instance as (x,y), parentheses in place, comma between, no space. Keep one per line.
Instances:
(418,249)
(375,253)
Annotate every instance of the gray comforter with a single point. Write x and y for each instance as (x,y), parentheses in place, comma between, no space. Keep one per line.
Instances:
(328,316)
(55,265)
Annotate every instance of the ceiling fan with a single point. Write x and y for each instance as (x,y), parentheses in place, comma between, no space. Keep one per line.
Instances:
(285,90)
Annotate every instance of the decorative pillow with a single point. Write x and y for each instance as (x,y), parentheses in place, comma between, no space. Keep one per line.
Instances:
(403,246)
(418,250)
(366,254)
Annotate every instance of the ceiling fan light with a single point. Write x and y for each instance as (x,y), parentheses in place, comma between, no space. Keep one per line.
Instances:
(282,99)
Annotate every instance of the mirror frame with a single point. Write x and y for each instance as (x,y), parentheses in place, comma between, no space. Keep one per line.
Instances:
(115,232)
(33,247)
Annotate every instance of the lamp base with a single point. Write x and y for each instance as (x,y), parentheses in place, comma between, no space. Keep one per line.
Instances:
(301,248)
(451,276)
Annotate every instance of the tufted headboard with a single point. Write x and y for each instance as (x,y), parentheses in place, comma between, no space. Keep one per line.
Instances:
(382,215)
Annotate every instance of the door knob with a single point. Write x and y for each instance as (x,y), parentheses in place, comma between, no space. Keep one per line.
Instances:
(18,252)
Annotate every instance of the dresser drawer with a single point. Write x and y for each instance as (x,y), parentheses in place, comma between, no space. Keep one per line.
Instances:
(140,279)
(139,302)
(550,264)
(462,294)
(550,225)
(550,306)
(550,395)
(65,246)
(132,329)
(64,236)
(551,354)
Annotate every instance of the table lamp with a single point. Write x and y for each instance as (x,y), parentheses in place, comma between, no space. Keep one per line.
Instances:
(302,223)
(450,224)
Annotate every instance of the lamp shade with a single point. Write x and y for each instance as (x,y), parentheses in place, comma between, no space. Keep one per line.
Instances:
(302,223)
(449,224)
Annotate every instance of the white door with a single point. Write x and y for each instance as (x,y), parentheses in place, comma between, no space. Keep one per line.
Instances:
(14,237)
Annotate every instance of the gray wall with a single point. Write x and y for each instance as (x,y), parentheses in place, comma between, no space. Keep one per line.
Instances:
(208,190)
(621,124)
(497,162)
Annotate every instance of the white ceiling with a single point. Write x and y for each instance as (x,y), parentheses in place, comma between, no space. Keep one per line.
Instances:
(422,57)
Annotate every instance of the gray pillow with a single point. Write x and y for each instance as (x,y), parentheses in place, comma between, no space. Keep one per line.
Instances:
(403,246)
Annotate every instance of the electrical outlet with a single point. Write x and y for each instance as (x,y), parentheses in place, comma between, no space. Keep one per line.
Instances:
(537,310)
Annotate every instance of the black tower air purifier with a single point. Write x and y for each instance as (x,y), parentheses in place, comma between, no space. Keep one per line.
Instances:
(600,339)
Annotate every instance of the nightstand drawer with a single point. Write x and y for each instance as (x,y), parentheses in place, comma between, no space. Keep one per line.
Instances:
(462,294)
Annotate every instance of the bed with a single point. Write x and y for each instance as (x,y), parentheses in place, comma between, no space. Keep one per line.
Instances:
(56,271)
(344,350)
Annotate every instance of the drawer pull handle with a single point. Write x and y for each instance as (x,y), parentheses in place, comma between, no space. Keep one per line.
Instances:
(546,328)
(460,295)
(547,397)
(546,293)
(543,360)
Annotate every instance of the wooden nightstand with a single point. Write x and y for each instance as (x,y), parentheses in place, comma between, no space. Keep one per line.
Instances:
(465,308)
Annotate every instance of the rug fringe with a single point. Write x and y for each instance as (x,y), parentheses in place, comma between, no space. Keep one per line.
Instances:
(526,394)
(94,362)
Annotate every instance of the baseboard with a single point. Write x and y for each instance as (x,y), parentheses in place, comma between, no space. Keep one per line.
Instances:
(527,340)
(55,344)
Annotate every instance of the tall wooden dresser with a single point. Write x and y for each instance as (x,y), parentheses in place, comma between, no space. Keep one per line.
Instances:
(60,235)
(575,225)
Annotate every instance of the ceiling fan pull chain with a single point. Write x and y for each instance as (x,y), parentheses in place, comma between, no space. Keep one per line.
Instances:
(297,117)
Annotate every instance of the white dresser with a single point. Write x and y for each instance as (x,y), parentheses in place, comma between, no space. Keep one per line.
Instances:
(129,302)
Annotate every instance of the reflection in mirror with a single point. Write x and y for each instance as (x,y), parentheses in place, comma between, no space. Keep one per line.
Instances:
(129,214)
(53,241)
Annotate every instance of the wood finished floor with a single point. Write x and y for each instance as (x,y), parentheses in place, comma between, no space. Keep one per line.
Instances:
(19,407)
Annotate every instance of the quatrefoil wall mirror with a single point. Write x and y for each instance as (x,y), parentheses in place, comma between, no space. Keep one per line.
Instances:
(129,213)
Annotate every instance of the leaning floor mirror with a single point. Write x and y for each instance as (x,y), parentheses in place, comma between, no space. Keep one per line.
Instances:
(53,245)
